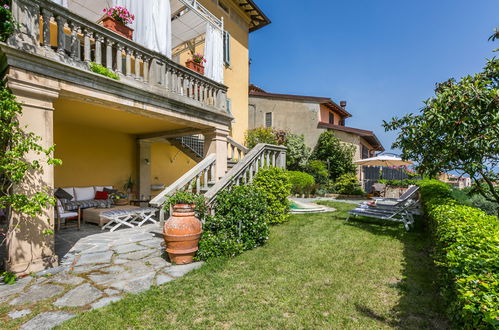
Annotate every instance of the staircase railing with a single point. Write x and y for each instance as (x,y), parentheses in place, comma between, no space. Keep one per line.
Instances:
(243,172)
(236,151)
(196,179)
(193,143)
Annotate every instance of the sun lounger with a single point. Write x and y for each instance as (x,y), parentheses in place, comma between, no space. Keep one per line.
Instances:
(131,218)
(398,210)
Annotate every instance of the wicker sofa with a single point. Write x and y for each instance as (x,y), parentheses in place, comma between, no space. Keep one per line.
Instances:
(84,197)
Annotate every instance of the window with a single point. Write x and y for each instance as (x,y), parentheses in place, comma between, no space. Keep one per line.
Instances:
(268,119)
(365,152)
(331,118)
(226,48)
(342,122)
(224,7)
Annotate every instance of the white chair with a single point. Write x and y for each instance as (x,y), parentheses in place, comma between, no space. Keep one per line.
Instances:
(61,213)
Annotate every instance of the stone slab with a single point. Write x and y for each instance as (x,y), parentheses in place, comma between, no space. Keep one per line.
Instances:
(36,293)
(105,301)
(113,269)
(19,314)
(79,296)
(162,279)
(157,262)
(46,321)
(111,292)
(120,249)
(135,285)
(68,279)
(7,290)
(137,255)
(181,270)
(95,258)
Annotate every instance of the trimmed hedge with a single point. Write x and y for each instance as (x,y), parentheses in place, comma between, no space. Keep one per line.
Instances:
(274,182)
(301,183)
(239,223)
(466,252)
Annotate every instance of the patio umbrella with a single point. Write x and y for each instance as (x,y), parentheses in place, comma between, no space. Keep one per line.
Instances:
(383,160)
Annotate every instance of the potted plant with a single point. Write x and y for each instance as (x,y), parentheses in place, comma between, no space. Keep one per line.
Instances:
(183,229)
(119,198)
(128,186)
(116,19)
(196,63)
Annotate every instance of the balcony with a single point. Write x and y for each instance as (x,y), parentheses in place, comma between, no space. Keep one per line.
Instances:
(63,44)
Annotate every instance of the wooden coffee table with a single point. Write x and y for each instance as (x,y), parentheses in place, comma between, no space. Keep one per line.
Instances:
(93,214)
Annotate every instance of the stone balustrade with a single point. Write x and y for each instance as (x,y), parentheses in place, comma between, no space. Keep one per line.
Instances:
(49,30)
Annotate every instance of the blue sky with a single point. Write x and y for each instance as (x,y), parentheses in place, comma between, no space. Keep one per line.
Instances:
(384,56)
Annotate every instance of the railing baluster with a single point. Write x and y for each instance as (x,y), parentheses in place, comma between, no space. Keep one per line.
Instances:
(119,59)
(75,43)
(98,48)
(86,45)
(146,69)
(61,36)
(47,17)
(138,59)
(128,63)
(109,53)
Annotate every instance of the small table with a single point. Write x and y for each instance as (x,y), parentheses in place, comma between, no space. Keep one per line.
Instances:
(93,214)
(137,202)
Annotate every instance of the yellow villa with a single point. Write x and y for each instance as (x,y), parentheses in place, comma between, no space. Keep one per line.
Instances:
(153,125)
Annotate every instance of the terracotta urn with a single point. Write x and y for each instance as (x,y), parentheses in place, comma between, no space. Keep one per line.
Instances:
(110,23)
(182,232)
(198,67)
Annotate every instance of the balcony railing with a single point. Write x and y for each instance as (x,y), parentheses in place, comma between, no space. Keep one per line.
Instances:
(49,30)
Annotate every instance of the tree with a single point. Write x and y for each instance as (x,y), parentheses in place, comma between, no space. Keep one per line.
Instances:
(15,145)
(297,154)
(457,130)
(337,155)
(268,135)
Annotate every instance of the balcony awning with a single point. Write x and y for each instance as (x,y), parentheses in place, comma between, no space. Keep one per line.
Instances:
(189,20)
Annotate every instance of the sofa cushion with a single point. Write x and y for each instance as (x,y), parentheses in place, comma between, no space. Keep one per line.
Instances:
(100,195)
(101,188)
(70,190)
(84,193)
(63,194)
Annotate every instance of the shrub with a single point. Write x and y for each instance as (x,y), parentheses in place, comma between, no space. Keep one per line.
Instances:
(297,154)
(318,169)
(239,223)
(99,69)
(347,184)
(338,155)
(301,183)
(274,183)
(258,135)
(469,197)
(466,252)
(7,23)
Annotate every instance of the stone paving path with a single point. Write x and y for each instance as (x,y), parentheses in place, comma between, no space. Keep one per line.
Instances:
(97,271)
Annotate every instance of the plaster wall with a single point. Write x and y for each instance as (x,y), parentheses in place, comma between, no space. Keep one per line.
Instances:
(168,164)
(296,117)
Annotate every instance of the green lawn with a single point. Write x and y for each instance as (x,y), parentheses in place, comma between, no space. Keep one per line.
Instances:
(316,271)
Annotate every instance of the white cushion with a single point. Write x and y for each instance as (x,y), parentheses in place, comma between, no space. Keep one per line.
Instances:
(70,190)
(68,215)
(101,188)
(84,193)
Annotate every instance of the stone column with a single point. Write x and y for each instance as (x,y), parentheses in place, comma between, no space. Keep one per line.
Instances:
(144,167)
(215,142)
(31,247)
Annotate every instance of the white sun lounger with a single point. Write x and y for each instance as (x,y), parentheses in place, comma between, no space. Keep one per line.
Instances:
(398,210)
(131,218)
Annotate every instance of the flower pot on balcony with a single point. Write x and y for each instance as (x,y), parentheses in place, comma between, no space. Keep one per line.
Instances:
(182,232)
(198,67)
(110,23)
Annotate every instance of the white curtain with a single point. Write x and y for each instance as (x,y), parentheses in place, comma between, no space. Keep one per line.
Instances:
(213,53)
(63,3)
(152,24)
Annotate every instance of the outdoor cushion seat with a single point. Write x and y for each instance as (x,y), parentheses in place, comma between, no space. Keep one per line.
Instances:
(75,205)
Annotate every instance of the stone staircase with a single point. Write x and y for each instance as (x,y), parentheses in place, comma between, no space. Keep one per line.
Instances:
(242,166)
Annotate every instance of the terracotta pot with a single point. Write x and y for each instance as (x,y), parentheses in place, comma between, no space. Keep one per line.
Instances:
(110,23)
(182,232)
(198,67)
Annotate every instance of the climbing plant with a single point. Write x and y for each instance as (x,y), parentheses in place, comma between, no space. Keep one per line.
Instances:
(15,166)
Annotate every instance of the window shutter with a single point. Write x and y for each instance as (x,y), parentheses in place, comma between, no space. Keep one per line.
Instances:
(268,119)
(331,118)
(226,48)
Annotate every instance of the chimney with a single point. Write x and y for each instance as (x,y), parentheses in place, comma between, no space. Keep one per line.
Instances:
(343,104)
